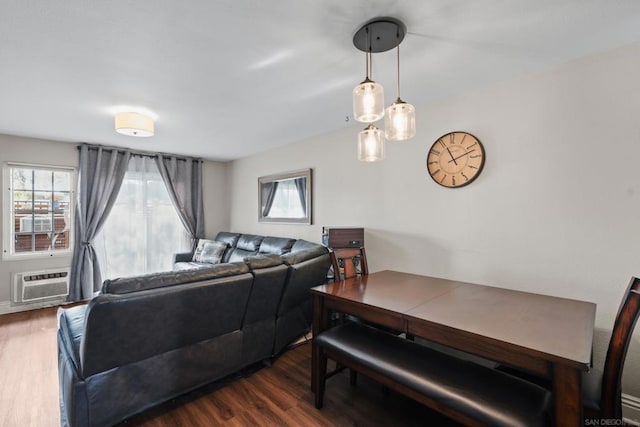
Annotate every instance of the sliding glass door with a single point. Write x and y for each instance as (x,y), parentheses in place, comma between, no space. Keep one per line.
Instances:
(143,230)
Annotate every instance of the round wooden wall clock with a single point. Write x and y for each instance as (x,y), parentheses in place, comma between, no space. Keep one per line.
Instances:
(455,159)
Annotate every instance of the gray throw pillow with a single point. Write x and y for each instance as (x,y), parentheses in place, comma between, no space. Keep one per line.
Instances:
(209,251)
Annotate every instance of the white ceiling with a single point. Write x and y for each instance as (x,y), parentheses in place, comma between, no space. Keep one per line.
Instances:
(230,78)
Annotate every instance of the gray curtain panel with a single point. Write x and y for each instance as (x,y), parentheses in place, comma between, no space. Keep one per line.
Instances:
(100,174)
(301,186)
(183,178)
(268,195)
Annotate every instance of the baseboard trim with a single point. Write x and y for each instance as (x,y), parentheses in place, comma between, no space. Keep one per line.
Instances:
(7,308)
(631,409)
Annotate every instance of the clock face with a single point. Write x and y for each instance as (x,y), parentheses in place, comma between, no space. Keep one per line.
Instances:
(455,159)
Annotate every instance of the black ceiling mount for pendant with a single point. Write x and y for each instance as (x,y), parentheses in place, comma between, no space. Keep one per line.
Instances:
(379,35)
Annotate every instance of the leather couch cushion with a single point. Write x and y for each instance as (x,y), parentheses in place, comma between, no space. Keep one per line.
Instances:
(239,255)
(301,245)
(276,245)
(256,262)
(118,327)
(305,253)
(268,284)
(249,242)
(229,238)
(190,265)
(125,285)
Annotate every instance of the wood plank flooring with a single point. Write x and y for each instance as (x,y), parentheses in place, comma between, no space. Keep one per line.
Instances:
(29,369)
(278,395)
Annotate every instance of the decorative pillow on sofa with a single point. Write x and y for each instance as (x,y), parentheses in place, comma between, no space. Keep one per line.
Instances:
(209,251)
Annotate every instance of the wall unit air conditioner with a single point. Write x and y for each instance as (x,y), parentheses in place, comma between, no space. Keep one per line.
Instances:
(40,285)
(36,224)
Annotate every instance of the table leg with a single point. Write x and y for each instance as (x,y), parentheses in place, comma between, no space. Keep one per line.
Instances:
(567,393)
(318,374)
(320,322)
(320,316)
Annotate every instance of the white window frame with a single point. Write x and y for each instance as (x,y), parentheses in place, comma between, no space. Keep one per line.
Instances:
(8,220)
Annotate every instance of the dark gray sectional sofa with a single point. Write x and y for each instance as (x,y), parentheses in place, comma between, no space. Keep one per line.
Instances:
(146,339)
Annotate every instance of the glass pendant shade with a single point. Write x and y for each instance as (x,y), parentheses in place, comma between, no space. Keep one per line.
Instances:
(371,144)
(400,121)
(368,101)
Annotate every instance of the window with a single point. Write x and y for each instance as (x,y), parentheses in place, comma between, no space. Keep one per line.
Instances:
(38,210)
(143,229)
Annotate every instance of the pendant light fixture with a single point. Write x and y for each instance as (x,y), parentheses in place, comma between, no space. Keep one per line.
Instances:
(371,144)
(400,117)
(368,98)
(380,35)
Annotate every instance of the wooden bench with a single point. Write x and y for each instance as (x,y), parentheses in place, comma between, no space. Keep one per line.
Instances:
(462,390)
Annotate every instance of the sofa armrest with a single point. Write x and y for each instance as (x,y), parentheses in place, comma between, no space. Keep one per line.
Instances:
(182,257)
(70,331)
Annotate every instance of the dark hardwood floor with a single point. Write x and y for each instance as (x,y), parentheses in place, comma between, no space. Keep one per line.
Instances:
(278,395)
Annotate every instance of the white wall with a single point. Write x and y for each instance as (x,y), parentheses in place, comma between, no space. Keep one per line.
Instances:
(216,194)
(28,150)
(555,211)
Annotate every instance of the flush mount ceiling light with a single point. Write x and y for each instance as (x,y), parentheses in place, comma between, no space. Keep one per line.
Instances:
(134,124)
(380,35)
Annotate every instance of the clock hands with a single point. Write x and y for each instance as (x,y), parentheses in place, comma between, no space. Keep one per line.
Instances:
(453,159)
(461,163)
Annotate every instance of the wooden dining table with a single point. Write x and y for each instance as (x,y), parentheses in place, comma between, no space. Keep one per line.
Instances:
(548,336)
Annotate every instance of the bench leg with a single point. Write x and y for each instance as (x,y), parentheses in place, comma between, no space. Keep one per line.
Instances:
(353,377)
(318,374)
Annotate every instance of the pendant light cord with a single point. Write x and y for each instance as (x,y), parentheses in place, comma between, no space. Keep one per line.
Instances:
(369,55)
(398,60)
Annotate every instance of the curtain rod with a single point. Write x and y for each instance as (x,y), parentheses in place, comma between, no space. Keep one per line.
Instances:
(137,152)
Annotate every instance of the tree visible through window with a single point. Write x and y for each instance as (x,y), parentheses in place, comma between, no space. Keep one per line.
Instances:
(39,208)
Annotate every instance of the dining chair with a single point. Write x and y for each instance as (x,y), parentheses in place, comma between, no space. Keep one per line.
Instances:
(352,262)
(602,389)
(349,262)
